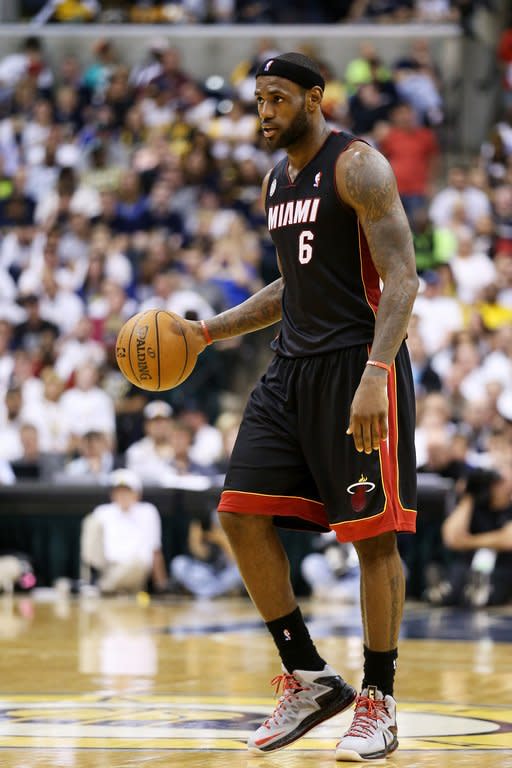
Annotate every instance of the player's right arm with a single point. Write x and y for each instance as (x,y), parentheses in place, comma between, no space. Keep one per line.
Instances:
(259,311)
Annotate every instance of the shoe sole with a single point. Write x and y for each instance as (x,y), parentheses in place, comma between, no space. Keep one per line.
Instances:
(350,756)
(308,725)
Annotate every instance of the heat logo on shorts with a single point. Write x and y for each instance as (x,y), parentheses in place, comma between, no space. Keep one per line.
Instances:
(358,493)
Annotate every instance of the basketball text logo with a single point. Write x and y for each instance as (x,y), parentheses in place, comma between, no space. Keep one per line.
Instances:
(142,352)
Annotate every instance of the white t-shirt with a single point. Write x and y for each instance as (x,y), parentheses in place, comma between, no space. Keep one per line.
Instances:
(134,534)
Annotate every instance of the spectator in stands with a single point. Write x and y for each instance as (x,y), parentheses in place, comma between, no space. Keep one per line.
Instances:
(94,463)
(459,190)
(10,425)
(425,378)
(78,347)
(208,570)
(29,466)
(35,335)
(121,541)
(20,247)
(439,316)
(182,463)
(206,448)
(6,356)
(472,270)
(47,415)
(413,152)
(150,457)
(478,536)
(87,407)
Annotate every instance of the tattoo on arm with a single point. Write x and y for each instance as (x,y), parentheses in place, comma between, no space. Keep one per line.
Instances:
(367,183)
(259,311)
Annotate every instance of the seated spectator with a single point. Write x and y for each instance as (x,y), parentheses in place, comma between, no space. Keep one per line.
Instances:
(86,407)
(11,447)
(121,542)
(425,378)
(171,293)
(6,356)
(30,465)
(206,448)
(433,246)
(182,464)
(46,414)
(150,457)
(439,316)
(459,189)
(472,270)
(78,348)
(413,153)
(93,465)
(331,570)
(21,247)
(70,196)
(209,569)
(478,537)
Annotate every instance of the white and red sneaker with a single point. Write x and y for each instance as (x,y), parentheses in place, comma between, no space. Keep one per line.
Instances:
(307,699)
(373,733)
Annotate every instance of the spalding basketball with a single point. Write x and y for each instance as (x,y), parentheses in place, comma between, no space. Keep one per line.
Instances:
(153,350)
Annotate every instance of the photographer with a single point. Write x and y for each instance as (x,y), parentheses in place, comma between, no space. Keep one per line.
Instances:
(478,535)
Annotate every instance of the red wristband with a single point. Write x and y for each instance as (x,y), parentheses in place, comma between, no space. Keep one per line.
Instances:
(378,364)
(206,332)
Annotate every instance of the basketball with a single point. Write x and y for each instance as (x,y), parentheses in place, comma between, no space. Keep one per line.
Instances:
(153,350)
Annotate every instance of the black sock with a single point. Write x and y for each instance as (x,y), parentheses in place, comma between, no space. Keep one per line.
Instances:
(379,669)
(294,643)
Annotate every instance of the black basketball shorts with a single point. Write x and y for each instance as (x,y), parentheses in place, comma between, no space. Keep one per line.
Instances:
(293,459)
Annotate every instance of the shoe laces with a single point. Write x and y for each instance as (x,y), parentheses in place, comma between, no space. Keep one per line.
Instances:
(367,715)
(290,686)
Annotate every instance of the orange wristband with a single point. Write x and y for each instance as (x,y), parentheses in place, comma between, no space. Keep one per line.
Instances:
(378,364)
(206,332)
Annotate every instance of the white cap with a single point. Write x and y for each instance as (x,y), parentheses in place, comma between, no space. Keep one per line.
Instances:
(158,409)
(125,478)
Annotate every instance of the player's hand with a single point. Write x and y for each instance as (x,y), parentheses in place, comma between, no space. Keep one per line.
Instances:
(369,412)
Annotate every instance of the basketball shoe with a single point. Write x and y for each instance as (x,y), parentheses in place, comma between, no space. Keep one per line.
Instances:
(307,699)
(373,733)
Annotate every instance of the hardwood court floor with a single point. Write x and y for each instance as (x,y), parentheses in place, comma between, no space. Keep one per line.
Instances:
(115,684)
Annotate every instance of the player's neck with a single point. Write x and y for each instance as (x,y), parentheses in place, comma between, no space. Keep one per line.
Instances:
(301,153)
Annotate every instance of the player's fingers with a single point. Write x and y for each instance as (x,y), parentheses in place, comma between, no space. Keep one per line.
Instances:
(355,430)
(367,435)
(383,426)
(375,433)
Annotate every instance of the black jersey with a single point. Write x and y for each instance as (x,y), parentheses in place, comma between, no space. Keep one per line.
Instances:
(332,288)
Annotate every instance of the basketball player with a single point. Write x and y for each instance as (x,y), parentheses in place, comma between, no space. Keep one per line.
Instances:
(327,438)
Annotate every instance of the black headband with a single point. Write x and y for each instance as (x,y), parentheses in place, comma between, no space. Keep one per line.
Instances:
(303,76)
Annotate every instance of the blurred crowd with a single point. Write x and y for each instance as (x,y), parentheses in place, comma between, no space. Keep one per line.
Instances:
(130,188)
(250,12)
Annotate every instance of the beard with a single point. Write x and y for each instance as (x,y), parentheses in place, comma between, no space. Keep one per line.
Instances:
(297,129)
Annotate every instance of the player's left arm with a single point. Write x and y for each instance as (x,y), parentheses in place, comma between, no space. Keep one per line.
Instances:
(367,184)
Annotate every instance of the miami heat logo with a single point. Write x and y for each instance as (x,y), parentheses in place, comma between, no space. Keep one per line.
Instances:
(358,492)
(318,177)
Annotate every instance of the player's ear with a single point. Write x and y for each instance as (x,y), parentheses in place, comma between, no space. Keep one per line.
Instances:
(314,97)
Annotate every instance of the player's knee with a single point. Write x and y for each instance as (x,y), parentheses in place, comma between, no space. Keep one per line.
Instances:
(237,526)
(377,547)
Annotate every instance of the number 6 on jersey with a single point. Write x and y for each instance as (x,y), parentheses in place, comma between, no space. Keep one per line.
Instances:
(305,249)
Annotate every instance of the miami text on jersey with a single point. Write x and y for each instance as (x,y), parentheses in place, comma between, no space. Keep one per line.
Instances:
(294,212)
